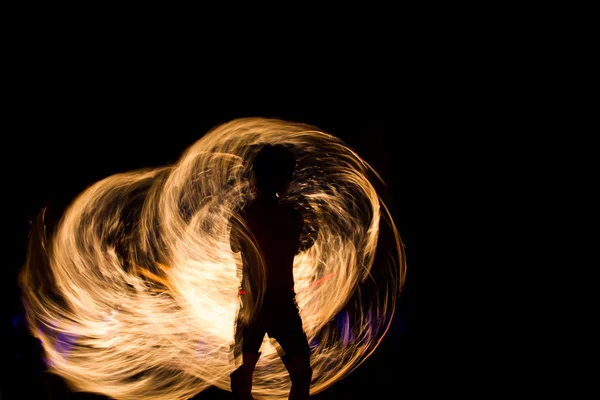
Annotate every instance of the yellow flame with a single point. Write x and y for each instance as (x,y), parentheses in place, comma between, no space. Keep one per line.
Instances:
(135,294)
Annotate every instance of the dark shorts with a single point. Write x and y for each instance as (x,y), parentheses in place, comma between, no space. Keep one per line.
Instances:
(280,319)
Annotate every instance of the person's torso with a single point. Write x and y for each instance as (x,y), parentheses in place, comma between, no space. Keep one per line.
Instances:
(276,228)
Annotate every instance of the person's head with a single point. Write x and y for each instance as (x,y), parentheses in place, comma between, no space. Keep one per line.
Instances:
(273,168)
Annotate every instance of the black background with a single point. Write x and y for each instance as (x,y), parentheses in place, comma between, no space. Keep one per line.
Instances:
(69,129)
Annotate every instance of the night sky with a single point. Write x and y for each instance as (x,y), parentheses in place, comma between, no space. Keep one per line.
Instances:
(63,140)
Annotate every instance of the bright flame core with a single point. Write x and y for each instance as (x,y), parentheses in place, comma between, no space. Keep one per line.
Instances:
(135,294)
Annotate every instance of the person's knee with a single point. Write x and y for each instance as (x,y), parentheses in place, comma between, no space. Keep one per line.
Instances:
(305,374)
(300,370)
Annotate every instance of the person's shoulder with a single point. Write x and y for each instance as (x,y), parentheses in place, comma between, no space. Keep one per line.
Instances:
(290,209)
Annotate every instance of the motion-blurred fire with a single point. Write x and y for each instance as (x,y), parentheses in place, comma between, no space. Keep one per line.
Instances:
(135,294)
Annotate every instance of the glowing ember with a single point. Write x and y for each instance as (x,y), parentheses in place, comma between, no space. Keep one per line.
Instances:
(136,292)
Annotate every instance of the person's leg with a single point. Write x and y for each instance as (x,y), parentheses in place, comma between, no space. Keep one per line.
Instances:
(296,352)
(298,367)
(241,378)
(251,337)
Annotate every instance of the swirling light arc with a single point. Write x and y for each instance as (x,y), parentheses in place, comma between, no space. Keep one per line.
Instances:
(134,294)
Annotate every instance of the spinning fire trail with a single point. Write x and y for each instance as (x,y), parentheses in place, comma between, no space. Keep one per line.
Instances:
(135,293)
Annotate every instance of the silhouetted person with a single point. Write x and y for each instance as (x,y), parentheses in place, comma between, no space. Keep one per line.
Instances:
(275,229)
